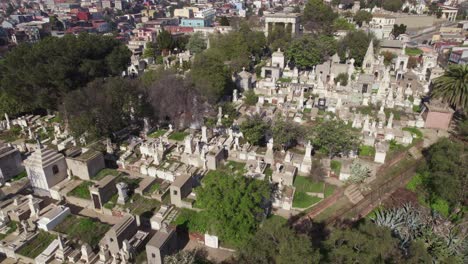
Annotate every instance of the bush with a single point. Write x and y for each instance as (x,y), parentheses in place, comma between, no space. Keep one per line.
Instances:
(335,166)
(416,181)
(366,151)
(250,97)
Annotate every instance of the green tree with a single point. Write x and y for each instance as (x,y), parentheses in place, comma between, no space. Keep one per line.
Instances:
(398,30)
(366,243)
(335,138)
(446,166)
(211,76)
(250,98)
(362,16)
(224,21)
(286,133)
(342,23)
(196,43)
(164,41)
(356,43)
(149,51)
(87,110)
(277,243)
(232,205)
(318,16)
(254,129)
(37,76)
(388,57)
(279,37)
(342,78)
(392,5)
(452,86)
(308,51)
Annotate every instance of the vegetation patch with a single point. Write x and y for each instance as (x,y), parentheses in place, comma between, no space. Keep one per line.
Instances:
(304,184)
(21,175)
(37,245)
(104,172)
(12,226)
(178,136)
(303,200)
(157,133)
(413,51)
(82,190)
(414,131)
(335,166)
(366,151)
(84,229)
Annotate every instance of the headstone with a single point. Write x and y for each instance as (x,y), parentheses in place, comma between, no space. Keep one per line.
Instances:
(7,121)
(204,134)
(122,190)
(235,96)
(211,241)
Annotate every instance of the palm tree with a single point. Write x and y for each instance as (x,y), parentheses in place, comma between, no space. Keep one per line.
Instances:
(452,86)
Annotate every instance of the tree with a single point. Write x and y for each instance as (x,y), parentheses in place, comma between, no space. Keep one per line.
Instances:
(277,243)
(307,51)
(412,62)
(254,129)
(452,86)
(356,43)
(279,37)
(318,16)
(388,57)
(181,257)
(398,30)
(87,110)
(286,133)
(39,75)
(211,76)
(366,243)
(173,99)
(342,24)
(224,21)
(149,51)
(446,167)
(342,78)
(250,98)
(196,43)
(335,138)
(362,16)
(164,41)
(233,206)
(392,5)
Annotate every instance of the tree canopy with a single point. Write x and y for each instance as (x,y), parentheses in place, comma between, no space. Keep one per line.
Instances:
(362,16)
(277,243)
(254,129)
(233,205)
(196,43)
(452,86)
(356,43)
(335,138)
(286,133)
(308,51)
(318,16)
(39,75)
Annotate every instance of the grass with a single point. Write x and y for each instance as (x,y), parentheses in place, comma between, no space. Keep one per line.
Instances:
(416,181)
(190,220)
(329,189)
(416,132)
(413,51)
(155,187)
(143,206)
(303,200)
(112,202)
(12,228)
(335,166)
(366,151)
(82,190)
(157,133)
(104,172)
(19,176)
(437,204)
(235,167)
(84,229)
(178,136)
(304,184)
(37,245)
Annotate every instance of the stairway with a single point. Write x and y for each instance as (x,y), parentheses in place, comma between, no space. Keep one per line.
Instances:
(353,193)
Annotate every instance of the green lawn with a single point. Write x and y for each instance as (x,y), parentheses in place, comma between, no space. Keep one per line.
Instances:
(143,206)
(335,166)
(12,228)
(153,188)
(190,220)
(157,133)
(178,136)
(413,51)
(416,132)
(82,190)
(112,202)
(329,189)
(37,245)
(84,229)
(303,200)
(104,172)
(366,151)
(20,176)
(304,184)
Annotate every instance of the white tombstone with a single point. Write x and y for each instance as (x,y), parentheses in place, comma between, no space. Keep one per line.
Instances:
(188,145)
(235,97)
(7,121)
(204,134)
(211,241)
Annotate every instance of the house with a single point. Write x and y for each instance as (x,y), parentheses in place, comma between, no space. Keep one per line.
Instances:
(437,115)
(10,162)
(85,164)
(163,243)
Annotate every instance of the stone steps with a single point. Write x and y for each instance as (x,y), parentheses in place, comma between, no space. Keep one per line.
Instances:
(353,194)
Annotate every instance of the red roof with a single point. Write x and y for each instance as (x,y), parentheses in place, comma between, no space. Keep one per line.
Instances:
(178,29)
